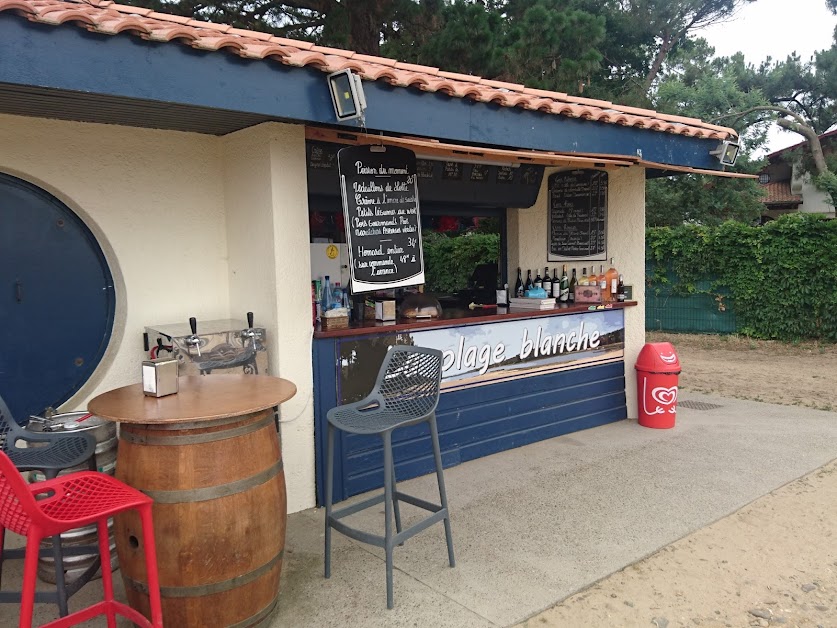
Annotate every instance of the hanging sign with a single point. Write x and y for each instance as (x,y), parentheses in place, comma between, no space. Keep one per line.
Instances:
(381,210)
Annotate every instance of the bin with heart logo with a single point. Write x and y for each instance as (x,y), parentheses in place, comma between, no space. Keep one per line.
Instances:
(657,371)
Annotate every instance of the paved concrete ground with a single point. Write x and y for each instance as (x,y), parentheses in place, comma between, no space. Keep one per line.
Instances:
(534,525)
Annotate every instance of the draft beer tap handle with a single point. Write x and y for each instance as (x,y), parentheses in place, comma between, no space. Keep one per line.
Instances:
(250,320)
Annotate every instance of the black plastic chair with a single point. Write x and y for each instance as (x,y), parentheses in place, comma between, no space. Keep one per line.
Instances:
(49,453)
(405,393)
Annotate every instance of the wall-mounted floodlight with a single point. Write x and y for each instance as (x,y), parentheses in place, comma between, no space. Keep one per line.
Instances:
(727,152)
(346,95)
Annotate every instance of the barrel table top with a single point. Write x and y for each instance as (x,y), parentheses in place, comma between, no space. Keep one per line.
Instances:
(199,398)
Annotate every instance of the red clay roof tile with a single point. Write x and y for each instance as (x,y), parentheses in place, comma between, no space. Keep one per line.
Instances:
(779,192)
(107,17)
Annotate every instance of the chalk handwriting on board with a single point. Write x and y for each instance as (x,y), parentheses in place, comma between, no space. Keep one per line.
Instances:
(322,157)
(577,215)
(452,170)
(479,172)
(381,210)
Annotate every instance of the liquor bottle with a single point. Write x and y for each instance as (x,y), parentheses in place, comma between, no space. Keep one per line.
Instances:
(529,284)
(538,279)
(556,284)
(327,297)
(620,290)
(612,280)
(565,286)
(547,282)
(518,285)
(585,280)
(573,282)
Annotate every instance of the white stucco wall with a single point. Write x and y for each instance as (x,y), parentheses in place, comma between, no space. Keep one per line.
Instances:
(814,201)
(191,225)
(154,201)
(267,222)
(527,237)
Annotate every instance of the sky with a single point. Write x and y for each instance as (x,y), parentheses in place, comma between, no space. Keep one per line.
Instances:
(775,28)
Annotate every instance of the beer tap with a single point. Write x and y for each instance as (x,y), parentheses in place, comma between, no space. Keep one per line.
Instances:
(194,340)
(250,332)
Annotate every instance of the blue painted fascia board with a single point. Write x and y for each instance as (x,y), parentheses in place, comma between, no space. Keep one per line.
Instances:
(67,57)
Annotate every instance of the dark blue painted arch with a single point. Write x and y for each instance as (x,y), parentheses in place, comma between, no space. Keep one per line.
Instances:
(71,58)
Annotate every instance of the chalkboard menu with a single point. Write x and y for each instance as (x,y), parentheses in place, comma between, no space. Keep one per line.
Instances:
(505,174)
(321,158)
(479,172)
(424,168)
(381,208)
(577,215)
(452,170)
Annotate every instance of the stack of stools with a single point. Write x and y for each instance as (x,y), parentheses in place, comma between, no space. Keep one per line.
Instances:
(49,453)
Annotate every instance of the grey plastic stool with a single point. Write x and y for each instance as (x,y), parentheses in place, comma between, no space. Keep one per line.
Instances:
(405,393)
(50,453)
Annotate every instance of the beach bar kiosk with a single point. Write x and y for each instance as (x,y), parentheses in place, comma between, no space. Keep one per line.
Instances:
(155,168)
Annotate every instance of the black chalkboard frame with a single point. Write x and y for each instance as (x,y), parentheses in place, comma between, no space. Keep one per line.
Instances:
(376,157)
(603,199)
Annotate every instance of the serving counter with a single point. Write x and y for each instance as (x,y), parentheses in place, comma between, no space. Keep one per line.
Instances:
(510,378)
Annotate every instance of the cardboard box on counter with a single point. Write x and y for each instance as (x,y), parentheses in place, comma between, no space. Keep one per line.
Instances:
(588,294)
(385,310)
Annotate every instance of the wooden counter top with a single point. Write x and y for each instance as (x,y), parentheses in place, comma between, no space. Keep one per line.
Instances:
(199,398)
(456,317)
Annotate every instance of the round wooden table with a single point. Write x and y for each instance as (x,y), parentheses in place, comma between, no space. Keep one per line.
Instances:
(211,459)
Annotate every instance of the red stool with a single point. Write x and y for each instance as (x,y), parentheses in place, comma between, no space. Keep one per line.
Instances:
(68,502)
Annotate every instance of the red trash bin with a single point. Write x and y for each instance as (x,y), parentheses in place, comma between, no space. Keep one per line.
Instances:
(657,370)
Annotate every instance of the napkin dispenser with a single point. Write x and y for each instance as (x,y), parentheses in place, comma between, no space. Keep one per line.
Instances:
(159,377)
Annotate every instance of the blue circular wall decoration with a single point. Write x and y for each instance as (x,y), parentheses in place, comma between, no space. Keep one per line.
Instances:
(57,300)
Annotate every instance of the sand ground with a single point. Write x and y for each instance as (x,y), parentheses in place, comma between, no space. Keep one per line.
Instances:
(772,563)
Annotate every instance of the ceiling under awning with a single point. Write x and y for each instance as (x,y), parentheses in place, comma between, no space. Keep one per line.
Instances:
(435,149)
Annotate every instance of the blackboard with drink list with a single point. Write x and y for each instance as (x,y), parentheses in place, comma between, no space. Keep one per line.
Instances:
(577,218)
(381,210)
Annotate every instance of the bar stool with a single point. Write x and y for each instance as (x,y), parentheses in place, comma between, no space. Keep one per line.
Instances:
(50,453)
(51,507)
(405,393)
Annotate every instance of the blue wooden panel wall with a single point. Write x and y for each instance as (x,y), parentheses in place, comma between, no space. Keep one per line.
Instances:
(473,423)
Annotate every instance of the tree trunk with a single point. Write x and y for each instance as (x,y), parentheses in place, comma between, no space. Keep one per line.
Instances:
(365,24)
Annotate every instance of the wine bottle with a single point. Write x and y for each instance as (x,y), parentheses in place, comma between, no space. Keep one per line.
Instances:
(556,284)
(612,280)
(529,283)
(565,286)
(602,281)
(620,290)
(585,280)
(518,285)
(538,280)
(547,282)
(573,282)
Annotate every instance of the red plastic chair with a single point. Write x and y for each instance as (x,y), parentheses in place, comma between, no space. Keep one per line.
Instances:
(68,502)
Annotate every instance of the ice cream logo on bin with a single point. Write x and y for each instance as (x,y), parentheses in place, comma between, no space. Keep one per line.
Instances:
(671,358)
(663,396)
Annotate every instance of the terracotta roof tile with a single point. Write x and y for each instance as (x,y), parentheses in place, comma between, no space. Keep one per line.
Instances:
(107,17)
(780,192)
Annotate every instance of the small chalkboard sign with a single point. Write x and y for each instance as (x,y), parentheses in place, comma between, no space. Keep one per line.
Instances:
(381,210)
(531,175)
(322,156)
(452,170)
(479,172)
(424,168)
(577,215)
(505,174)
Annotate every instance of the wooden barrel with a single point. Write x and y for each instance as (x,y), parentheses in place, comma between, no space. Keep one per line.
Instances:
(219,518)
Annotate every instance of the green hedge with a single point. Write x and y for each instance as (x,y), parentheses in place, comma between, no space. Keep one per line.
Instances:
(781,278)
(449,262)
